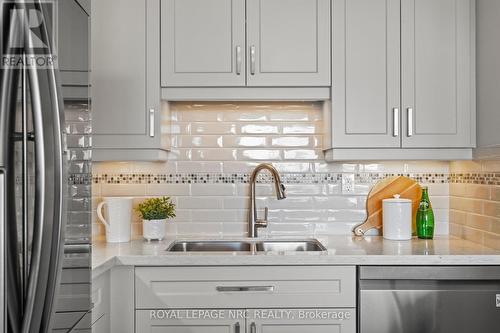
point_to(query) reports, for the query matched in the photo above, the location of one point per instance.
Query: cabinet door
(101, 299)
(202, 43)
(366, 73)
(73, 49)
(301, 320)
(438, 73)
(189, 321)
(288, 42)
(125, 74)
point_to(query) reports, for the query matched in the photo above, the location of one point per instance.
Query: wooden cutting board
(385, 189)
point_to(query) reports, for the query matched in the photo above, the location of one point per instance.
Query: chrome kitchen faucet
(253, 222)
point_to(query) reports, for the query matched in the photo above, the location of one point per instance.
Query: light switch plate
(347, 183)
(498, 300)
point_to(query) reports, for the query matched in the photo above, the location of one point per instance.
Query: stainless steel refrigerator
(45, 157)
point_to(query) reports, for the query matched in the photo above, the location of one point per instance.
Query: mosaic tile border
(488, 178)
(244, 178)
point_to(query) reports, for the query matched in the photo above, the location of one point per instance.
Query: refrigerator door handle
(50, 193)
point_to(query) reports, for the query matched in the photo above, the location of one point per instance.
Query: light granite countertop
(341, 250)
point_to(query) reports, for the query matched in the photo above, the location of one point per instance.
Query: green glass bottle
(425, 217)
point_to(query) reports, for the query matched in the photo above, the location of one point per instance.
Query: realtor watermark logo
(239, 314)
(29, 34)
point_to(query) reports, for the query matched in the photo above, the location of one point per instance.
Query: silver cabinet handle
(395, 124)
(237, 328)
(243, 288)
(253, 328)
(152, 123)
(252, 60)
(410, 121)
(238, 60)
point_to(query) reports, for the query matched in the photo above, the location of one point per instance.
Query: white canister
(397, 218)
(118, 212)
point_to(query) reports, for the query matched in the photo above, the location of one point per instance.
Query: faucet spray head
(281, 192)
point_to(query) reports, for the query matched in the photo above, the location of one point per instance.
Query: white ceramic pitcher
(118, 212)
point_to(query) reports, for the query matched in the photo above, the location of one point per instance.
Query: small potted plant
(155, 212)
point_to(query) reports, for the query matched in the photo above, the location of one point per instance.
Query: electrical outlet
(347, 183)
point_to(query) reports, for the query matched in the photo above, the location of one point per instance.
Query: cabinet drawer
(245, 287)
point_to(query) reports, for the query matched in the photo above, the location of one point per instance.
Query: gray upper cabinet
(403, 76)
(438, 73)
(203, 43)
(288, 42)
(126, 81)
(238, 43)
(73, 51)
(366, 73)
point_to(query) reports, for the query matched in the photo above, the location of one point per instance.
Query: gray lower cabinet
(235, 43)
(289, 320)
(247, 299)
(301, 320)
(101, 299)
(188, 321)
(403, 76)
(126, 108)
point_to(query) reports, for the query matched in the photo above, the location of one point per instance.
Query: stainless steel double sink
(257, 245)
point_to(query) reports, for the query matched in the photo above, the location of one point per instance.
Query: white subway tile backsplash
(202, 141)
(296, 141)
(199, 166)
(239, 166)
(314, 128)
(306, 189)
(258, 155)
(167, 189)
(215, 145)
(350, 215)
(295, 202)
(338, 202)
(293, 167)
(125, 190)
(213, 128)
(182, 215)
(201, 229)
(237, 203)
(205, 215)
(235, 229)
(240, 141)
(213, 189)
(199, 202)
(265, 128)
(290, 229)
(302, 154)
(214, 154)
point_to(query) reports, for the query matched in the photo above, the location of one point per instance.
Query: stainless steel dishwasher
(429, 299)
